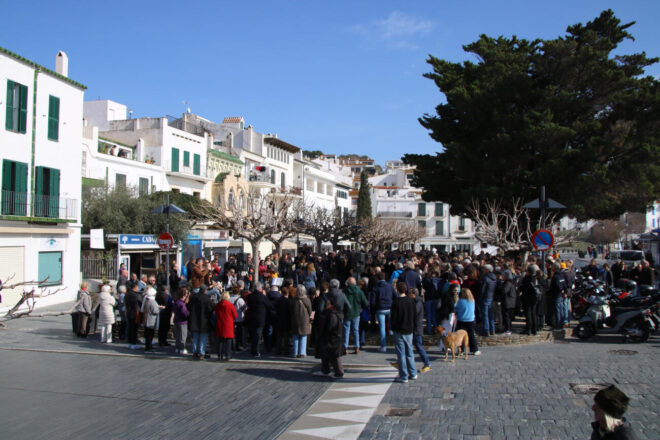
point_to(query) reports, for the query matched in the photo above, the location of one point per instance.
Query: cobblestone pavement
(84, 388)
(523, 392)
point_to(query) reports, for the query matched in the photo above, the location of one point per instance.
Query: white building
(40, 141)
(181, 155)
(393, 198)
(110, 163)
(653, 216)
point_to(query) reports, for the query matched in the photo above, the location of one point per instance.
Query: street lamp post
(167, 209)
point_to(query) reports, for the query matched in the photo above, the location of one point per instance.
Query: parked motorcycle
(633, 322)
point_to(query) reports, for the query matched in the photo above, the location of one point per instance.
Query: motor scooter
(633, 323)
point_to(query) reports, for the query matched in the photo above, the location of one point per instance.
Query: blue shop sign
(136, 239)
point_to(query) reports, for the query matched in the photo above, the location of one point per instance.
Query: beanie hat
(612, 401)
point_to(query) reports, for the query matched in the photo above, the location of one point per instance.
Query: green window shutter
(439, 209)
(54, 193)
(7, 196)
(143, 188)
(175, 159)
(22, 111)
(38, 197)
(186, 158)
(421, 210)
(20, 188)
(53, 118)
(9, 120)
(439, 227)
(196, 163)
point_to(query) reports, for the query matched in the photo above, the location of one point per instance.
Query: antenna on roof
(187, 107)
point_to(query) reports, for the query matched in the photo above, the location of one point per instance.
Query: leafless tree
(291, 222)
(255, 218)
(24, 307)
(510, 230)
(329, 226)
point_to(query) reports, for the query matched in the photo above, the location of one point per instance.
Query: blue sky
(339, 76)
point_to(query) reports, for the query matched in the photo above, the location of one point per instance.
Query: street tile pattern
(344, 409)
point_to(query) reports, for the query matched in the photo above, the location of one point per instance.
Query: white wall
(64, 155)
(100, 113)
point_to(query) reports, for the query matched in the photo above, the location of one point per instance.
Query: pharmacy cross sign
(542, 240)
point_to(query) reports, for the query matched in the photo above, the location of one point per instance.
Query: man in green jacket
(357, 301)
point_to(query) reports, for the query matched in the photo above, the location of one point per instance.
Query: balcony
(395, 214)
(287, 191)
(17, 206)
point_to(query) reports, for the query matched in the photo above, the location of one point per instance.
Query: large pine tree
(566, 113)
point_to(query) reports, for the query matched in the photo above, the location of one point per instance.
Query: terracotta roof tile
(232, 120)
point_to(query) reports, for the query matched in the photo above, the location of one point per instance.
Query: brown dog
(452, 341)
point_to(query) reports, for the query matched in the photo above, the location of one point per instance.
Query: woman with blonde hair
(309, 277)
(464, 311)
(225, 314)
(300, 308)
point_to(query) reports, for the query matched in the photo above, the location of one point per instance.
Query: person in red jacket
(225, 314)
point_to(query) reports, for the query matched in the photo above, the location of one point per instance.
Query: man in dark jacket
(411, 277)
(382, 296)
(164, 299)
(342, 306)
(432, 285)
(270, 330)
(258, 307)
(132, 304)
(530, 294)
(357, 301)
(403, 325)
(418, 331)
(330, 341)
(199, 322)
(487, 296)
(509, 300)
(557, 294)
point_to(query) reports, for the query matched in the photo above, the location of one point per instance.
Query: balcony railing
(283, 190)
(407, 214)
(18, 204)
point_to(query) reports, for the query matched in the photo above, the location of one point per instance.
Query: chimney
(62, 63)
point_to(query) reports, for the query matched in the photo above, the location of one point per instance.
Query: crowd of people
(327, 303)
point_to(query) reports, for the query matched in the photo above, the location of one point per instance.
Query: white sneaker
(320, 373)
(184, 351)
(477, 353)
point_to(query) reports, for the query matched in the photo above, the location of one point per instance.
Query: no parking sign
(543, 240)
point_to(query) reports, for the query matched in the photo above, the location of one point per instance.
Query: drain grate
(400, 412)
(588, 388)
(623, 352)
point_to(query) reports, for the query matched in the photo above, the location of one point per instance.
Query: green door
(50, 266)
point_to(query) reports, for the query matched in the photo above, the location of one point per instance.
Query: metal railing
(395, 214)
(95, 267)
(15, 203)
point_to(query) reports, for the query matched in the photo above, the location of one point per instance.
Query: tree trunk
(278, 248)
(319, 243)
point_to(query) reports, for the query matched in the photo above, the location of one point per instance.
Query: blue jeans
(431, 322)
(299, 344)
(567, 310)
(404, 355)
(560, 311)
(381, 315)
(488, 317)
(353, 323)
(417, 342)
(200, 340)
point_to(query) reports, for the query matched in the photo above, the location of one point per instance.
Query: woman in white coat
(106, 314)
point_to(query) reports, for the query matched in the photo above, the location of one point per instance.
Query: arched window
(282, 181)
(230, 198)
(241, 200)
(272, 177)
